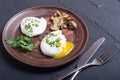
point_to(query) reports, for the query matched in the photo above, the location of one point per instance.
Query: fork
(99, 60)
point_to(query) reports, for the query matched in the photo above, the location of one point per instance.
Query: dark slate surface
(102, 18)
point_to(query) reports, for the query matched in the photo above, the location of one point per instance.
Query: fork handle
(74, 75)
(71, 72)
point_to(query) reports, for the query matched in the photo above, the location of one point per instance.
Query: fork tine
(108, 53)
(109, 57)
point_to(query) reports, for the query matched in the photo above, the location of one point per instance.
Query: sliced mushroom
(54, 27)
(59, 14)
(65, 15)
(72, 25)
(63, 26)
(69, 19)
(62, 20)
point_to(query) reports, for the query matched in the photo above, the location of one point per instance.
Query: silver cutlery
(87, 56)
(99, 60)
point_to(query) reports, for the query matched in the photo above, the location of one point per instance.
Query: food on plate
(33, 26)
(22, 42)
(62, 20)
(55, 45)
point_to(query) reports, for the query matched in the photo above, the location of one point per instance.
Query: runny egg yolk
(65, 50)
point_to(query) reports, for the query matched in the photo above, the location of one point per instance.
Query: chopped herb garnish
(32, 24)
(32, 21)
(36, 25)
(22, 42)
(53, 40)
(28, 28)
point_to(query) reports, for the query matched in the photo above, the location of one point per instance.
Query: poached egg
(55, 45)
(33, 26)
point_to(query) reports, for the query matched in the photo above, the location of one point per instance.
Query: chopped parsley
(29, 23)
(28, 28)
(53, 40)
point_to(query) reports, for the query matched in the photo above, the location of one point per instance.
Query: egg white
(36, 30)
(52, 50)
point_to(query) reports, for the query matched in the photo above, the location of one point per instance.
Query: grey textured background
(102, 18)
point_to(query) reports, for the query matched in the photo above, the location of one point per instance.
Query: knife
(86, 57)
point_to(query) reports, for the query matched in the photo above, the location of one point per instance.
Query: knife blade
(87, 56)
